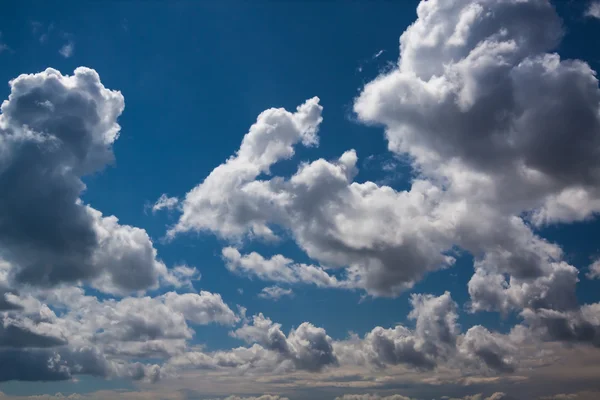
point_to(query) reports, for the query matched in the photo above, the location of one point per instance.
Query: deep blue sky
(195, 74)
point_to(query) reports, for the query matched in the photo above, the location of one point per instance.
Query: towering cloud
(54, 130)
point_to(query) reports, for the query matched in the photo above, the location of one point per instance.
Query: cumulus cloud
(436, 340)
(220, 203)
(275, 293)
(469, 105)
(55, 129)
(307, 347)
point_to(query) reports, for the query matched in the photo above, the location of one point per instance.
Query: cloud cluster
(503, 136)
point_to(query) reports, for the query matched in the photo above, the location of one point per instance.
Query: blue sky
(429, 184)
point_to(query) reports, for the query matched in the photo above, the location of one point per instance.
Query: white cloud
(278, 269)
(275, 293)
(220, 203)
(165, 202)
(55, 129)
(594, 270)
(593, 9)
(307, 347)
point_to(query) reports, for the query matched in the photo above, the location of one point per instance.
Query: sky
(290, 200)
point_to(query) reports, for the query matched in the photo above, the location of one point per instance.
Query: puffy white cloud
(221, 202)
(275, 293)
(202, 309)
(308, 347)
(436, 340)
(504, 128)
(469, 104)
(433, 339)
(54, 129)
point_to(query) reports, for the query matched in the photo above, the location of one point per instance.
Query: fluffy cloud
(307, 347)
(54, 129)
(221, 203)
(436, 340)
(475, 92)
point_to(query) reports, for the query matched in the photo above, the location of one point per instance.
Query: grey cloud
(580, 325)
(307, 347)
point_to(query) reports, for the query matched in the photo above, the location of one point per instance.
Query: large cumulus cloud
(55, 129)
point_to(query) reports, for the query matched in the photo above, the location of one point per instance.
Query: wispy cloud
(275, 293)
(67, 50)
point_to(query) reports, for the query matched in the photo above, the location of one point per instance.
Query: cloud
(165, 202)
(67, 49)
(55, 129)
(593, 10)
(220, 203)
(307, 347)
(275, 293)
(278, 269)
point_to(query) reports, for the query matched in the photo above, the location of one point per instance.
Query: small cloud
(275, 293)
(593, 10)
(165, 202)
(376, 55)
(594, 270)
(240, 291)
(67, 50)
